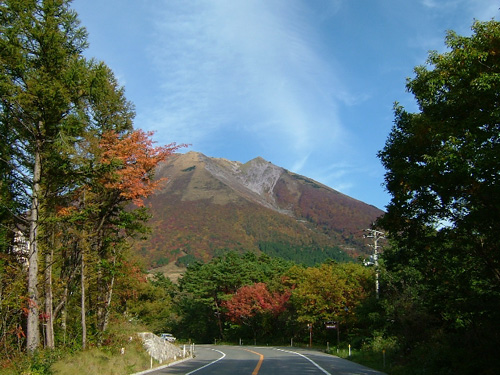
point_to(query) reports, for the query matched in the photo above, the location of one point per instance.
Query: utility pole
(376, 235)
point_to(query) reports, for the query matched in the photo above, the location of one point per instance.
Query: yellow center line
(257, 368)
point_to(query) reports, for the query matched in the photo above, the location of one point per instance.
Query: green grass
(366, 358)
(374, 360)
(108, 360)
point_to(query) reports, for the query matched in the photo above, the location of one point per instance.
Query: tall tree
(443, 172)
(127, 164)
(103, 109)
(41, 72)
(69, 146)
(443, 163)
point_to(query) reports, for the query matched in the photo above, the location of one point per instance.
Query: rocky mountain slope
(211, 205)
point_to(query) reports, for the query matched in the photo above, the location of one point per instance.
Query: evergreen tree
(41, 88)
(70, 160)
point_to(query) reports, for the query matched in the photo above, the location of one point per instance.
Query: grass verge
(108, 361)
(122, 353)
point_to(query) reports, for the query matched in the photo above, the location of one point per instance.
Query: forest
(267, 300)
(74, 175)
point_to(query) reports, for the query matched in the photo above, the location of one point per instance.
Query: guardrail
(162, 350)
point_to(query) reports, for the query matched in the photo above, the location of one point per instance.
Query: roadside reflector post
(310, 326)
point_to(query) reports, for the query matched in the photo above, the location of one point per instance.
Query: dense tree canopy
(70, 167)
(263, 298)
(444, 162)
(42, 88)
(330, 292)
(443, 172)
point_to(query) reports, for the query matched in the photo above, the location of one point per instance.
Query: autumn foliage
(71, 164)
(260, 298)
(251, 300)
(134, 158)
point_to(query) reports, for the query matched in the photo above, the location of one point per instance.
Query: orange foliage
(135, 158)
(65, 211)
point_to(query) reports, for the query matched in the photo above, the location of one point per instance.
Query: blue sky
(306, 84)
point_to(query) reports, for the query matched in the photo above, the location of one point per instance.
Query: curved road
(241, 360)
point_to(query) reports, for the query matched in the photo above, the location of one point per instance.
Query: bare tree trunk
(219, 319)
(49, 315)
(33, 328)
(104, 289)
(106, 303)
(63, 323)
(84, 322)
(68, 276)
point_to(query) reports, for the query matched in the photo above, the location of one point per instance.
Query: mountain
(211, 205)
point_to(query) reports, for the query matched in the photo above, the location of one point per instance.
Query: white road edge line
(209, 364)
(309, 359)
(161, 367)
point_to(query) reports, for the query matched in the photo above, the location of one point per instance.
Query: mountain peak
(214, 203)
(260, 176)
(258, 159)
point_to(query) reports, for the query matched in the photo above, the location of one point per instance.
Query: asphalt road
(242, 360)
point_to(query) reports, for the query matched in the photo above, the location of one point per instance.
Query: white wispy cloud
(480, 9)
(338, 175)
(306, 84)
(441, 3)
(251, 65)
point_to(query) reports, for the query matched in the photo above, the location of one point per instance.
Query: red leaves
(251, 300)
(133, 159)
(18, 331)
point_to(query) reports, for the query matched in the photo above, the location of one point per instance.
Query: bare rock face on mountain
(211, 205)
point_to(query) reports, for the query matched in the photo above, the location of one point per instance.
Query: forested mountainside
(208, 206)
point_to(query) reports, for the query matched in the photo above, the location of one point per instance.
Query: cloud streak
(253, 66)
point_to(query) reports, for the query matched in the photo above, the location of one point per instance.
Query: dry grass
(105, 360)
(109, 360)
(171, 270)
(99, 361)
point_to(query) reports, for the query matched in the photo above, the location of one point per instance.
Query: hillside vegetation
(210, 206)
